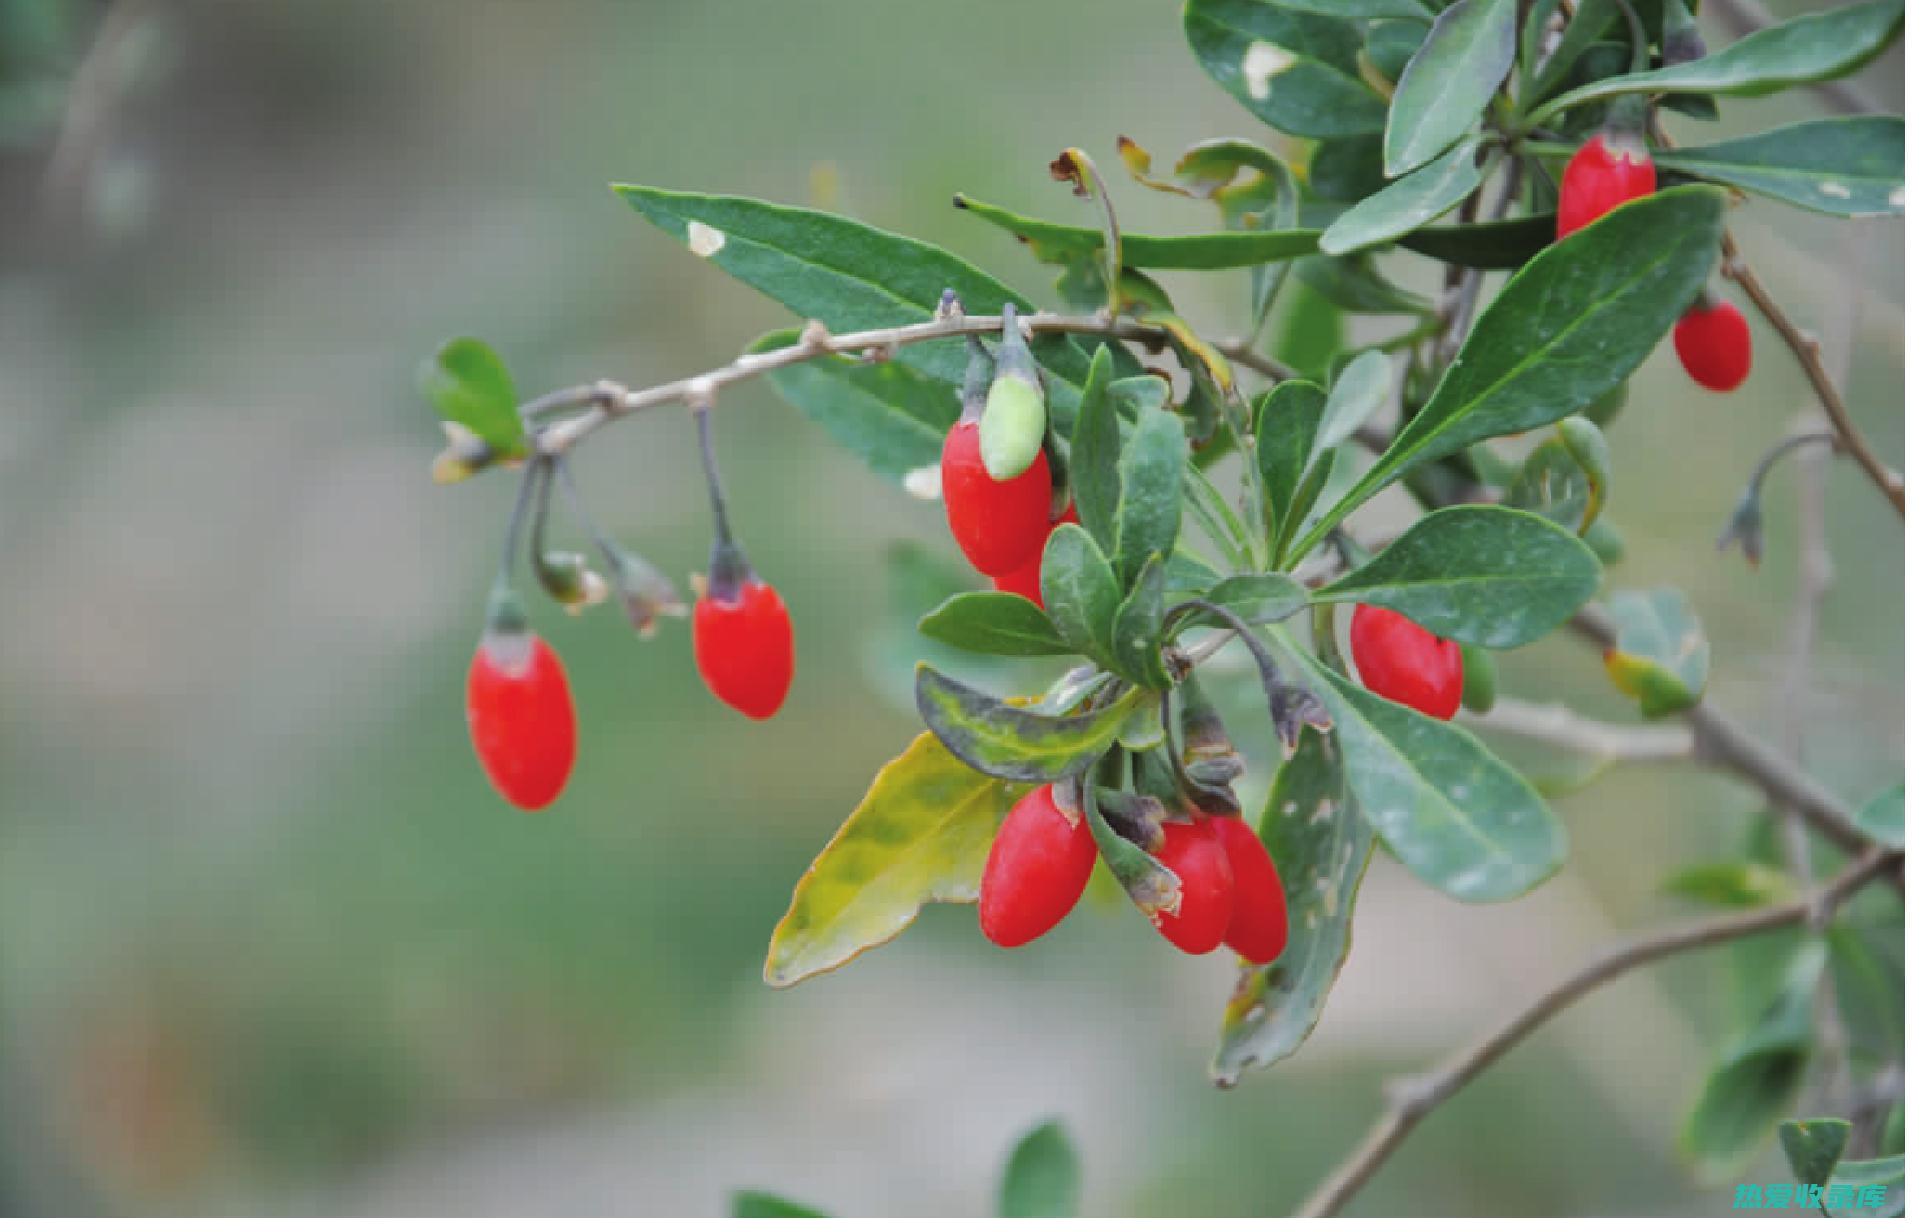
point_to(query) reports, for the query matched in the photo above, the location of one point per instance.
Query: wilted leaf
(921, 834)
(1660, 657)
(1010, 742)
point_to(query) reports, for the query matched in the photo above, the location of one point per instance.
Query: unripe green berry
(1480, 679)
(1012, 427)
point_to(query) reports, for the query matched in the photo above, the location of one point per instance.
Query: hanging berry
(518, 707)
(740, 631)
(1192, 852)
(1714, 344)
(1037, 868)
(1611, 168)
(1000, 525)
(1405, 663)
(1026, 581)
(1258, 927)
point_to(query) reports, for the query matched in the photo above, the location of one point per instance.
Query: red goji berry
(1037, 868)
(523, 726)
(1405, 663)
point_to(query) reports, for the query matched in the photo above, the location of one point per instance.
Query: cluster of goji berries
(518, 699)
(1712, 339)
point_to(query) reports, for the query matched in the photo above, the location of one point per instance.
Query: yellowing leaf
(921, 834)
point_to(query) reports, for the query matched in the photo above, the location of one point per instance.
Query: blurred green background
(269, 945)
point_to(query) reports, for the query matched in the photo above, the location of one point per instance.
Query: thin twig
(1411, 1100)
(606, 401)
(1805, 350)
(1555, 724)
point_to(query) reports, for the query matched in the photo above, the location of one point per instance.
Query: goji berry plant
(1145, 498)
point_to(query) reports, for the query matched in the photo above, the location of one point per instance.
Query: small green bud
(1480, 679)
(1606, 542)
(569, 580)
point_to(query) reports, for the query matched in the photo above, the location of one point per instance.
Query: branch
(1719, 742)
(1411, 1100)
(606, 401)
(1555, 724)
(1805, 350)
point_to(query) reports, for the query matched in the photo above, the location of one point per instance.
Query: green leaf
(921, 834)
(1080, 590)
(1392, 43)
(888, 414)
(1095, 479)
(1570, 325)
(1006, 741)
(1408, 203)
(1149, 885)
(1286, 421)
(1817, 46)
(1320, 473)
(1360, 390)
(763, 1205)
(1450, 81)
(1882, 818)
(1840, 166)
(1137, 648)
(994, 623)
(1296, 71)
(1565, 478)
(1063, 244)
(1260, 599)
(1591, 19)
(851, 276)
(1451, 811)
(1321, 845)
(1734, 884)
(1752, 1086)
(468, 384)
(1348, 170)
(1043, 1179)
(1660, 658)
(1491, 576)
(1497, 245)
(1362, 10)
(1148, 517)
(1887, 1173)
(1868, 977)
(1352, 284)
(1813, 1147)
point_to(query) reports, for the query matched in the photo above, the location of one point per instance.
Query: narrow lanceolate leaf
(1362, 10)
(1734, 884)
(1840, 166)
(1452, 812)
(994, 623)
(469, 385)
(1288, 418)
(850, 276)
(1360, 390)
(1490, 576)
(1095, 480)
(1813, 1147)
(1043, 1179)
(1817, 46)
(1408, 203)
(1660, 657)
(1496, 245)
(888, 414)
(1080, 589)
(1009, 742)
(1753, 1084)
(1260, 599)
(1450, 80)
(921, 834)
(1148, 518)
(1137, 647)
(1296, 71)
(1570, 325)
(1321, 845)
(1065, 244)
(1351, 283)
(1882, 818)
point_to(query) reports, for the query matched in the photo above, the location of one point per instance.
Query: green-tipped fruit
(1012, 428)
